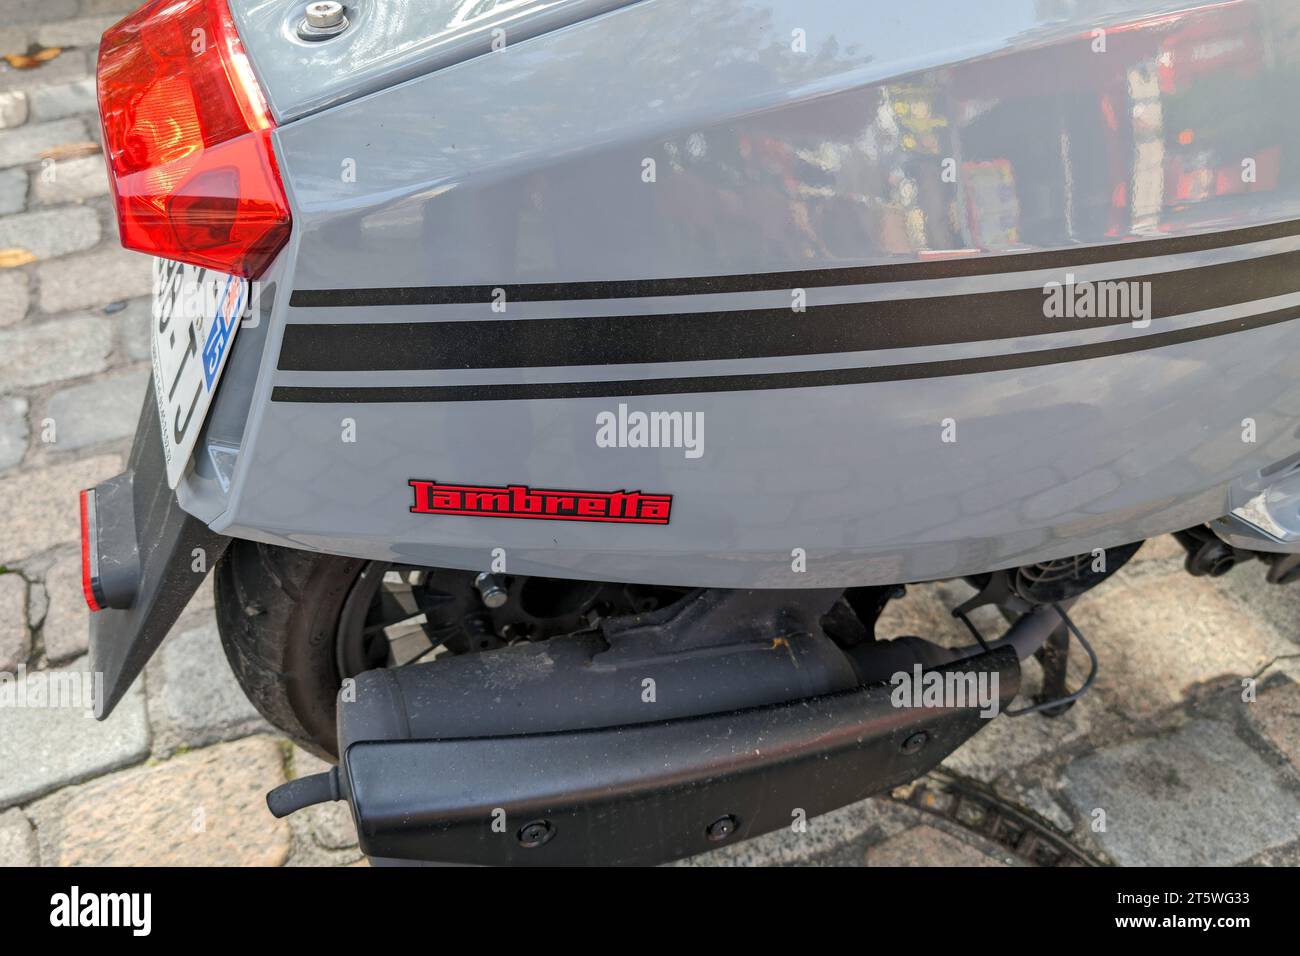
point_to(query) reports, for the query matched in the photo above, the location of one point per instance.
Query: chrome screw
(325, 14)
(491, 590)
(324, 19)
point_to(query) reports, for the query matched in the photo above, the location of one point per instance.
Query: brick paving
(1165, 762)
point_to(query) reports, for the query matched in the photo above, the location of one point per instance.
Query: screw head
(536, 833)
(914, 743)
(325, 14)
(722, 828)
(491, 590)
(322, 20)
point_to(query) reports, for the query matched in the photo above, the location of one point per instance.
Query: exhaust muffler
(724, 716)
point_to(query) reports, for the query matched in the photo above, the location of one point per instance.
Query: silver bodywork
(785, 137)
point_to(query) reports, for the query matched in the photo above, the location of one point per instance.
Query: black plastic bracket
(648, 793)
(146, 546)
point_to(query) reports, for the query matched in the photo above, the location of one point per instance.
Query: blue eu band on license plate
(230, 307)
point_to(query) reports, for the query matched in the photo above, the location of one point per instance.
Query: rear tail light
(187, 135)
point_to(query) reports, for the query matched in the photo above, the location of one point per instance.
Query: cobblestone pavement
(1182, 768)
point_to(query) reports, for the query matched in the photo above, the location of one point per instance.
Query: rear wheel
(296, 624)
(278, 612)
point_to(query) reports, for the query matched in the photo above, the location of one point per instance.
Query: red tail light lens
(188, 138)
(90, 552)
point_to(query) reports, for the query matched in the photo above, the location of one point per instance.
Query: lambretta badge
(520, 501)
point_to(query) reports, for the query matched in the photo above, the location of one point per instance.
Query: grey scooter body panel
(528, 166)
(386, 42)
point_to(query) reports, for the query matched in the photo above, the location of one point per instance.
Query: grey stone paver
(15, 637)
(17, 840)
(1196, 797)
(81, 32)
(71, 64)
(14, 296)
(15, 38)
(59, 102)
(71, 180)
(38, 11)
(26, 143)
(93, 279)
(133, 323)
(39, 510)
(1008, 743)
(116, 7)
(51, 232)
(13, 109)
(101, 410)
(1274, 606)
(1275, 714)
(66, 627)
(197, 697)
(64, 100)
(13, 190)
(37, 604)
(13, 430)
(206, 808)
(44, 747)
(34, 354)
(1164, 634)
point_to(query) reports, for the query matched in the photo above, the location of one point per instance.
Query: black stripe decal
(798, 279)
(773, 380)
(756, 333)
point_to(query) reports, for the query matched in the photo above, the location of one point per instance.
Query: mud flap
(142, 549)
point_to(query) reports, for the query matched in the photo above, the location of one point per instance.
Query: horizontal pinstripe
(774, 380)
(756, 333)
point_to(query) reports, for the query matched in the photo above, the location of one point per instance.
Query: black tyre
(279, 613)
(296, 624)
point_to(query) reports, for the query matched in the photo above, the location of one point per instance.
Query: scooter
(561, 389)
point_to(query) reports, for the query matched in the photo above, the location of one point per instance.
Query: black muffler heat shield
(639, 752)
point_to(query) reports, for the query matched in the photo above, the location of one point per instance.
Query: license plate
(196, 314)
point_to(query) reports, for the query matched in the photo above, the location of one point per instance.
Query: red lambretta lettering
(520, 501)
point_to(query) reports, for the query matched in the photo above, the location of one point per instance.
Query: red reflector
(88, 558)
(187, 135)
